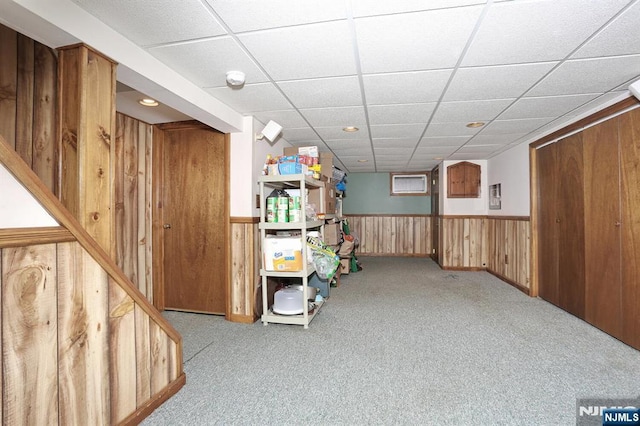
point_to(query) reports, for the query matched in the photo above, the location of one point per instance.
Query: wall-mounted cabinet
(463, 180)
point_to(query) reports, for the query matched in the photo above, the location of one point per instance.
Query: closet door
(547, 159)
(571, 260)
(602, 232)
(630, 228)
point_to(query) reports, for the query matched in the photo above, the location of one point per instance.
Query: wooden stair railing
(116, 358)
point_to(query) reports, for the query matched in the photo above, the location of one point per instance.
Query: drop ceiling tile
(261, 14)
(482, 149)
(434, 152)
(306, 51)
(306, 134)
(588, 76)
(405, 88)
(392, 153)
(605, 99)
(502, 139)
(286, 118)
(397, 131)
(552, 106)
(450, 129)
(323, 92)
(443, 141)
(146, 22)
(501, 127)
(343, 116)
(393, 42)
(251, 97)
(468, 111)
(621, 37)
(353, 151)
(400, 113)
(495, 82)
(348, 143)
(537, 31)
(200, 61)
(396, 143)
(338, 133)
(464, 156)
(419, 165)
(368, 8)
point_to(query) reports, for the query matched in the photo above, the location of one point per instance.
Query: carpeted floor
(401, 342)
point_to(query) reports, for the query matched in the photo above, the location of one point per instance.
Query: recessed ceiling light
(475, 124)
(148, 102)
(363, 161)
(437, 158)
(350, 129)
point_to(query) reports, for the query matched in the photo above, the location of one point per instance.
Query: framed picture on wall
(495, 197)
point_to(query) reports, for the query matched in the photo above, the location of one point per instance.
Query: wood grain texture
(160, 366)
(29, 335)
(143, 356)
(8, 84)
(122, 353)
(464, 241)
(244, 274)
(630, 244)
(508, 250)
(83, 338)
(20, 237)
(390, 235)
(24, 98)
(602, 236)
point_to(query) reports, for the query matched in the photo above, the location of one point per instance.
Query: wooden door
(630, 226)
(547, 167)
(195, 215)
(435, 213)
(602, 230)
(571, 262)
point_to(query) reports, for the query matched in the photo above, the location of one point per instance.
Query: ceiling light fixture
(350, 129)
(475, 124)
(363, 161)
(235, 78)
(148, 102)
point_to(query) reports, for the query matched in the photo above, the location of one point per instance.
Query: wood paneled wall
(132, 200)
(463, 242)
(509, 248)
(28, 79)
(392, 235)
(245, 269)
(501, 245)
(77, 349)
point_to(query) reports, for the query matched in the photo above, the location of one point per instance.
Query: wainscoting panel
(509, 250)
(392, 235)
(463, 242)
(245, 268)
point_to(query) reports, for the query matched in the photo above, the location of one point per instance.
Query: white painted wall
(464, 206)
(18, 208)
(511, 170)
(241, 170)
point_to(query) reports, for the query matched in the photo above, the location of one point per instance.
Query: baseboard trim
(156, 401)
(425, 255)
(463, 268)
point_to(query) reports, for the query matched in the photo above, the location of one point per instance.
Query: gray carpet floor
(401, 342)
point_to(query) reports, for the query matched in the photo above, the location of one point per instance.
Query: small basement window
(416, 183)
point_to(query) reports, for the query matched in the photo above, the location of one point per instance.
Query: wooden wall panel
(464, 242)
(122, 353)
(28, 76)
(143, 356)
(388, 235)
(508, 240)
(132, 201)
(160, 361)
(29, 335)
(244, 269)
(83, 345)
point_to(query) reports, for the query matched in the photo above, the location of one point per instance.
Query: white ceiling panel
(252, 97)
(400, 113)
(620, 37)
(147, 23)
(403, 36)
(307, 51)
(398, 131)
(323, 92)
(552, 106)
(468, 111)
(199, 61)
(410, 74)
(405, 88)
(496, 82)
(253, 15)
(537, 31)
(342, 116)
(588, 76)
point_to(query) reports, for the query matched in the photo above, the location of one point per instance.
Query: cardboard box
(323, 199)
(332, 234)
(345, 266)
(325, 158)
(282, 254)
